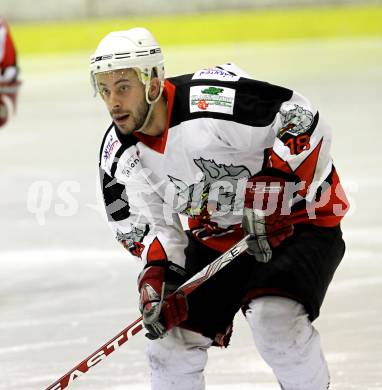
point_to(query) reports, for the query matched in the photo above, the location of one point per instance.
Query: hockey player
(8, 72)
(233, 154)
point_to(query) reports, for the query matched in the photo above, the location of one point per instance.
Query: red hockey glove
(156, 282)
(267, 211)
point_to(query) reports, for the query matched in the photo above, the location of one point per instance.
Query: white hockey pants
(284, 337)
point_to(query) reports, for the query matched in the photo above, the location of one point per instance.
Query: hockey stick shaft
(211, 269)
(121, 338)
(98, 355)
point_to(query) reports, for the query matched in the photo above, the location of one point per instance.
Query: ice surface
(66, 287)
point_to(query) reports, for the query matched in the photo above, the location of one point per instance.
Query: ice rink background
(66, 287)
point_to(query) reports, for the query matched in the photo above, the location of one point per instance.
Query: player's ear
(154, 88)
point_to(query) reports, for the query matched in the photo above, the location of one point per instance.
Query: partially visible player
(8, 73)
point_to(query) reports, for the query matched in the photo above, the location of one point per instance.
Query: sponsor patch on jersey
(130, 165)
(212, 98)
(215, 74)
(111, 147)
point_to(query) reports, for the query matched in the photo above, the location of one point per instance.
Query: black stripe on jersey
(116, 159)
(115, 198)
(126, 140)
(256, 102)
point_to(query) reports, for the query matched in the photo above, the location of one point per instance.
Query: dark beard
(141, 115)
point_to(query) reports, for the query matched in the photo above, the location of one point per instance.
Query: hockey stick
(116, 342)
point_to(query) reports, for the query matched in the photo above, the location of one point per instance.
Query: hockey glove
(156, 282)
(267, 213)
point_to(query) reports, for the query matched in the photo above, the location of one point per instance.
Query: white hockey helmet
(135, 48)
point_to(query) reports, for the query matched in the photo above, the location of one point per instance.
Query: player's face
(124, 96)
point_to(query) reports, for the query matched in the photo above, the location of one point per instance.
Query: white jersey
(223, 127)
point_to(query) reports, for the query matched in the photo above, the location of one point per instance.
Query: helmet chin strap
(151, 104)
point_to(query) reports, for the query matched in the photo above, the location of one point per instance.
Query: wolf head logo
(132, 240)
(193, 199)
(295, 119)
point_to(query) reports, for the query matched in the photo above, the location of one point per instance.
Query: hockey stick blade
(122, 337)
